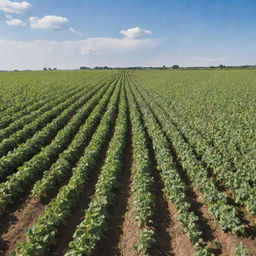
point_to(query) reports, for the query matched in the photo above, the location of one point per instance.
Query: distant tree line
(166, 67)
(50, 69)
(136, 67)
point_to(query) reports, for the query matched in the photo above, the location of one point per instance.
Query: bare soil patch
(15, 224)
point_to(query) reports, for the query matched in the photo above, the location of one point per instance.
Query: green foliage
(91, 229)
(43, 233)
(241, 250)
(201, 125)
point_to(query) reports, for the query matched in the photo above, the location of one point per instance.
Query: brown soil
(15, 224)
(180, 242)
(130, 231)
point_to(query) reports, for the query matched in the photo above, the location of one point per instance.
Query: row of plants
(216, 201)
(46, 108)
(15, 158)
(233, 135)
(41, 121)
(174, 187)
(25, 115)
(142, 180)
(237, 182)
(32, 170)
(236, 144)
(222, 134)
(43, 233)
(183, 115)
(25, 89)
(28, 107)
(61, 169)
(6, 111)
(6, 119)
(95, 222)
(17, 104)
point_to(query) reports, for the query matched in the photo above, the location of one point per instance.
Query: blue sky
(69, 34)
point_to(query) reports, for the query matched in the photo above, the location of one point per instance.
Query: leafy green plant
(241, 250)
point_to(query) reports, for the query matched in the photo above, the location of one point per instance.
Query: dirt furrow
(180, 242)
(15, 223)
(130, 229)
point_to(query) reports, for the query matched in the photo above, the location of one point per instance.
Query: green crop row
(43, 233)
(92, 228)
(142, 181)
(174, 187)
(25, 151)
(225, 214)
(237, 182)
(41, 121)
(25, 115)
(60, 170)
(31, 170)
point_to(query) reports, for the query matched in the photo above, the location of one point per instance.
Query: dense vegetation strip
(37, 117)
(236, 182)
(217, 203)
(24, 89)
(26, 108)
(31, 111)
(174, 186)
(32, 170)
(7, 118)
(43, 234)
(66, 160)
(92, 228)
(30, 129)
(142, 181)
(219, 111)
(31, 147)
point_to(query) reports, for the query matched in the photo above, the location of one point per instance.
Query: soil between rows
(15, 224)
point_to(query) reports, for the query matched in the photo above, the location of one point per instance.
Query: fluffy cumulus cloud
(49, 22)
(14, 7)
(10, 21)
(135, 33)
(73, 54)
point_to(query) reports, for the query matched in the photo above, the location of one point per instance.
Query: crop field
(120, 162)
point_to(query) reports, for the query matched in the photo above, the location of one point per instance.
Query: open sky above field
(70, 34)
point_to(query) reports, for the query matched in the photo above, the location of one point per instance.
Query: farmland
(152, 162)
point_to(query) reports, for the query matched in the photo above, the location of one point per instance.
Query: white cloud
(14, 7)
(135, 33)
(49, 22)
(73, 54)
(10, 21)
